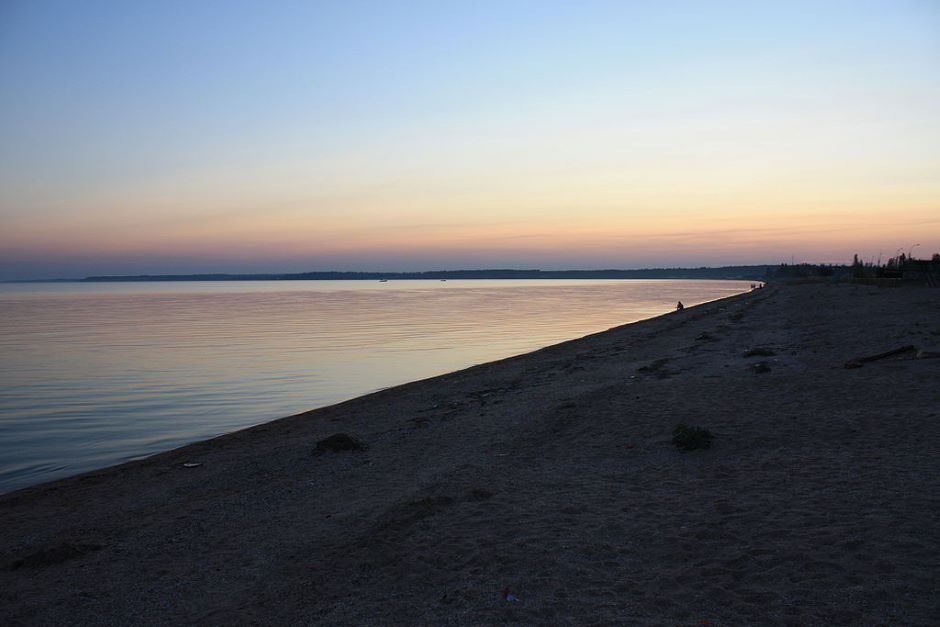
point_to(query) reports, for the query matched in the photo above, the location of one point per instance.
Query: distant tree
(858, 269)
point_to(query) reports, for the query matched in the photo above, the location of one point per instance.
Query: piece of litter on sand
(192, 464)
(509, 596)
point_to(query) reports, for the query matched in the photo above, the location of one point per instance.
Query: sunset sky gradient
(180, 136)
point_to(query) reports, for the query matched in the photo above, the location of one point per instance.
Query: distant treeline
(901, 269)
(726, 272)
(808, 270)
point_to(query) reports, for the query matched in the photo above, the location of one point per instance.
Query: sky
(226, 136)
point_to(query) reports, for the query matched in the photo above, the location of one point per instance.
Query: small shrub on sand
(688, 438)
(339, 442)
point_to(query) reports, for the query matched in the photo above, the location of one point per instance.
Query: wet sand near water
(550, 477)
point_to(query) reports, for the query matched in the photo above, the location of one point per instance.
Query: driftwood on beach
(859, 361)
(541, 489)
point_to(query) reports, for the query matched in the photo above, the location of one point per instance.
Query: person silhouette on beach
(680, 306)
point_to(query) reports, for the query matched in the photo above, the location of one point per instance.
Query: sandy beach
(551, 478)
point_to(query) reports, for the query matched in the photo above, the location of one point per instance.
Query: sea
(95, 374)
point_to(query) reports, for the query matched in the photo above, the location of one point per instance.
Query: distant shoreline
(753, 272)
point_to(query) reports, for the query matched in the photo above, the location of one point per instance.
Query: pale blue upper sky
(230, 133)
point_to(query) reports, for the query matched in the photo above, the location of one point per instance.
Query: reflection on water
(95, 374)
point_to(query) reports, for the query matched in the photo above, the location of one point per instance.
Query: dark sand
(551, 473)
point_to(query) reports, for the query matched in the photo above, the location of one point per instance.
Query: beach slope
(550, 477)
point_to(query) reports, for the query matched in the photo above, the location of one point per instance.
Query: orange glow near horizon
(830, 236)
(604, 218)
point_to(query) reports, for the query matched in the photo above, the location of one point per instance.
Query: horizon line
(415, 274)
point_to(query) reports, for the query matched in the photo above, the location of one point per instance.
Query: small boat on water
(383, 280)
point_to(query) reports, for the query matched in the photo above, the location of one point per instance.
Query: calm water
(96, 374)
